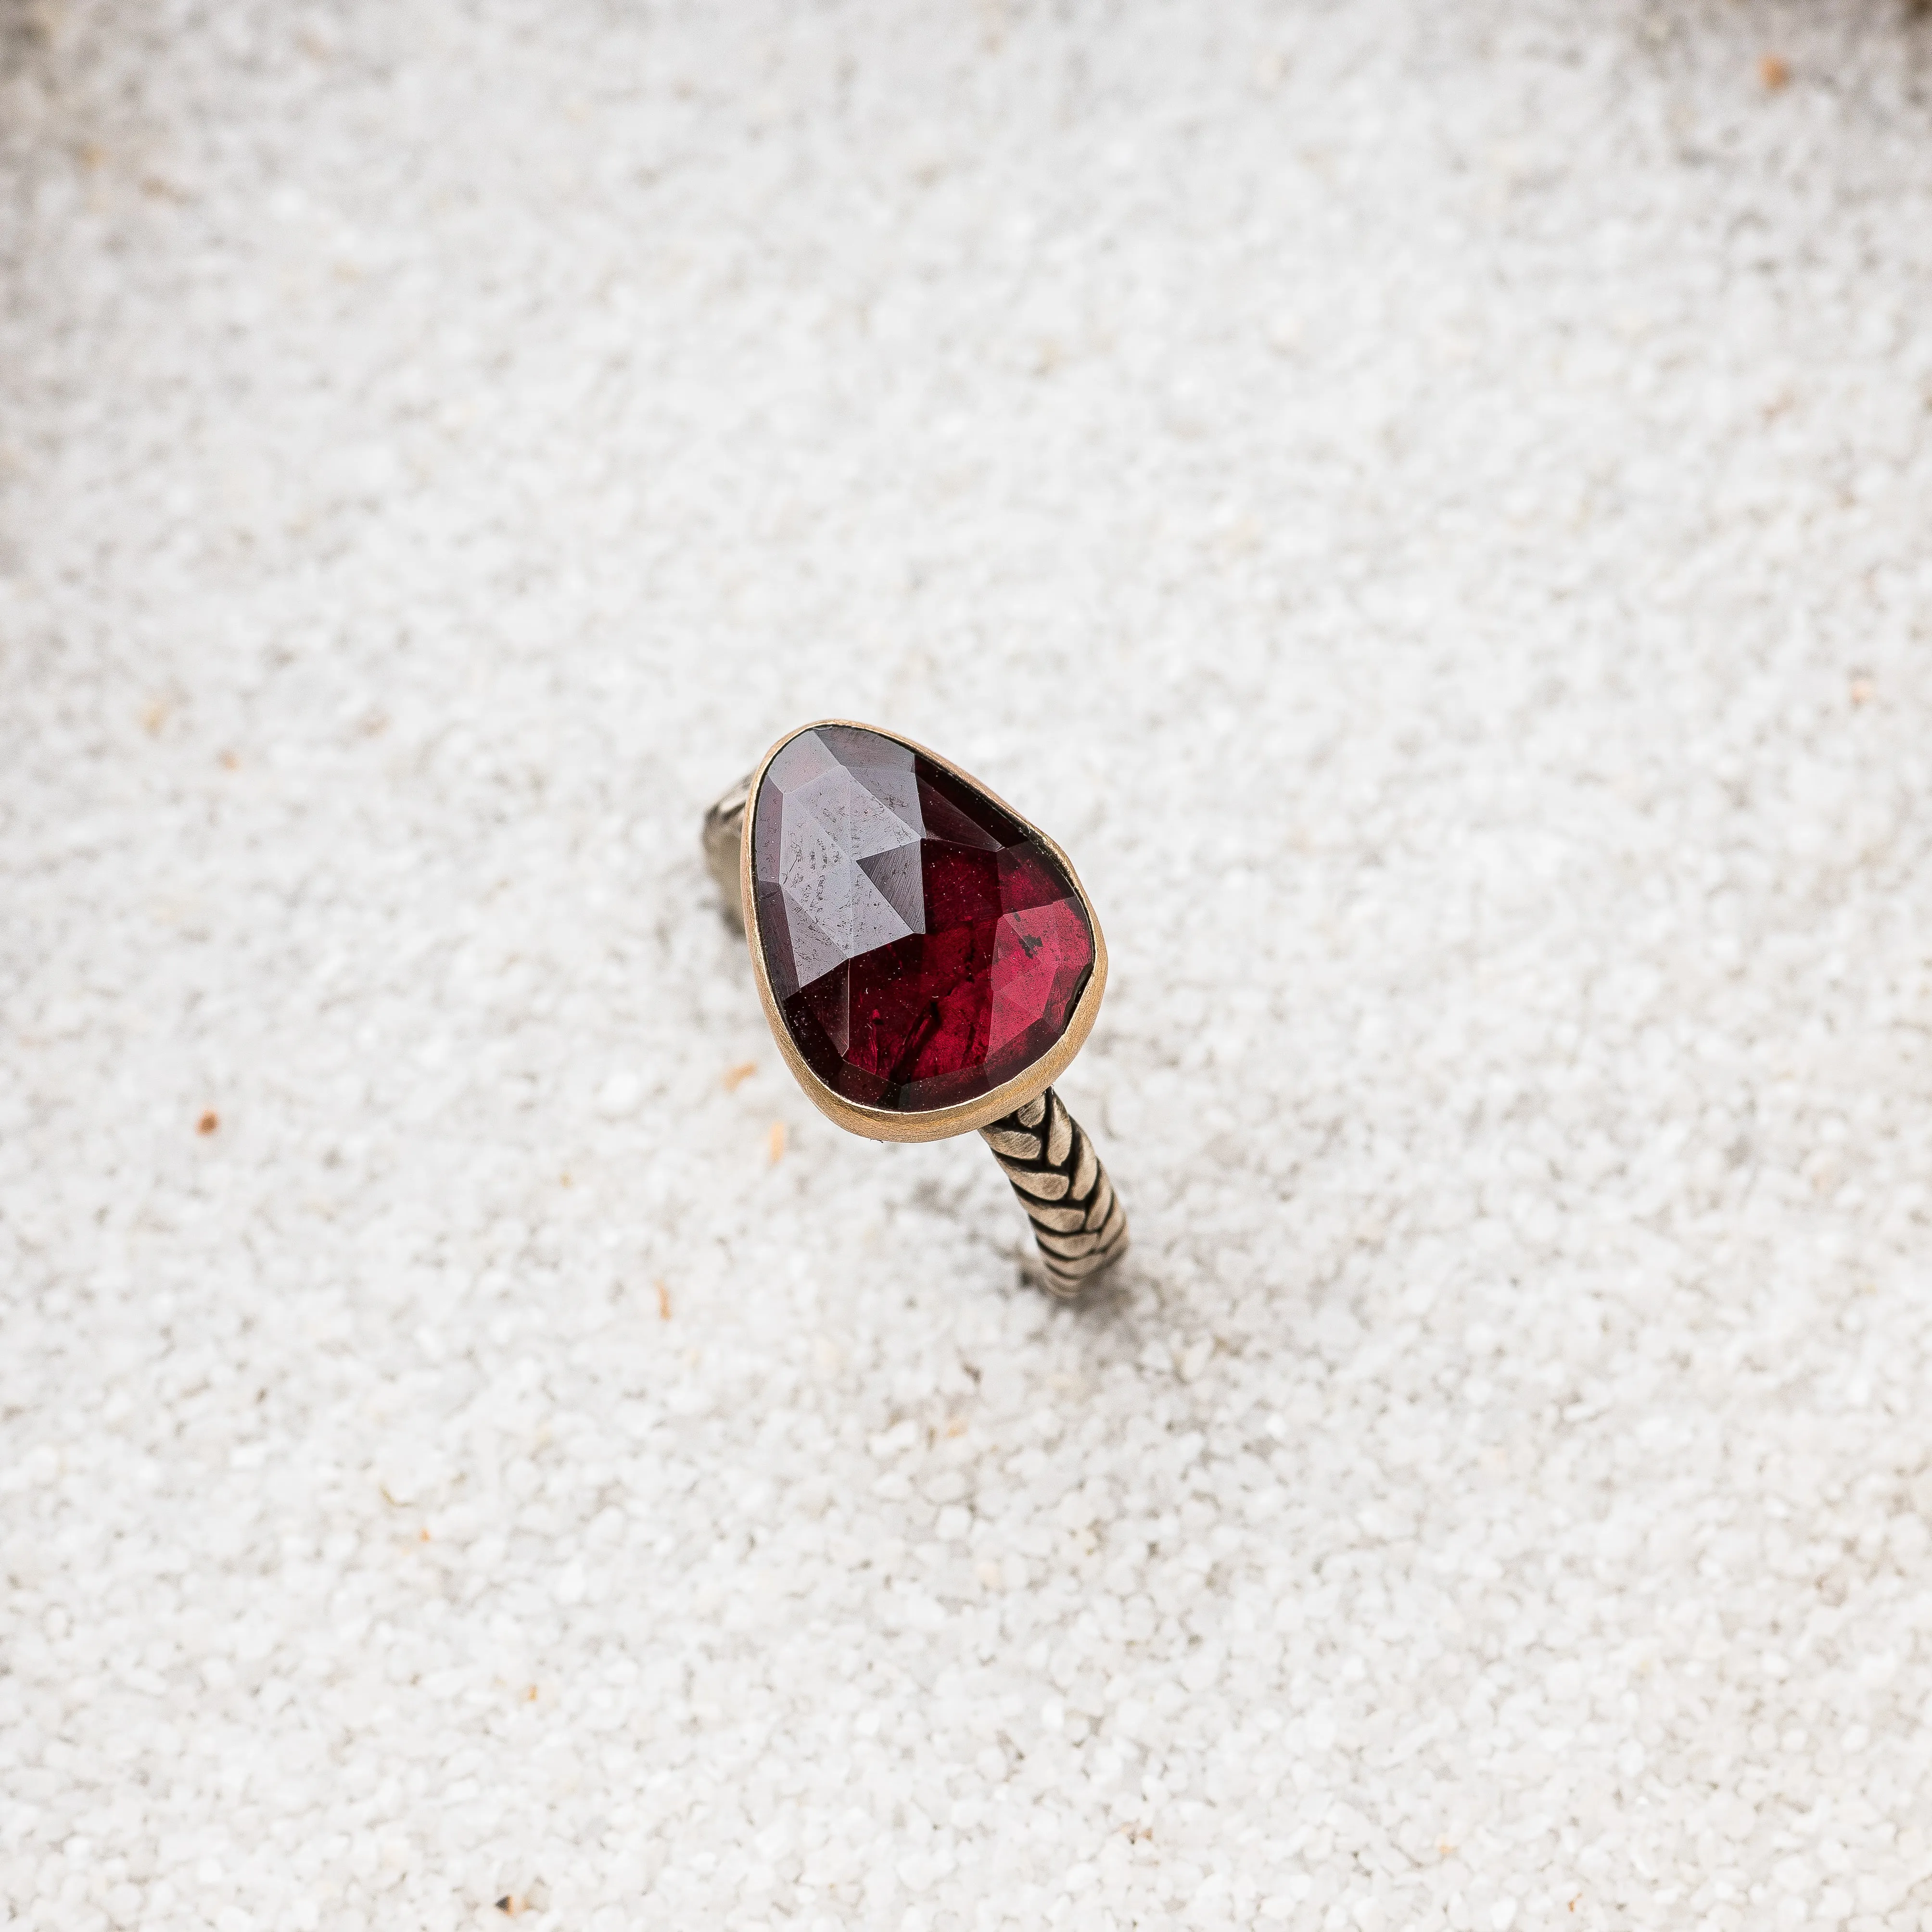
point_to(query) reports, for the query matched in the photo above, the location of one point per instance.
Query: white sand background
(1432, 503)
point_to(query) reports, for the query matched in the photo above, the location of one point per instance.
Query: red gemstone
(924, 946)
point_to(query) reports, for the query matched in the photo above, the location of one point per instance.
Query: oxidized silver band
(1077, 1219)
(1078, 1222)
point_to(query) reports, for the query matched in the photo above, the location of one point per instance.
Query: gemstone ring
(929, 964)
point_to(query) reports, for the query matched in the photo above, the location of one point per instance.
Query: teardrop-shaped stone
(923, 945)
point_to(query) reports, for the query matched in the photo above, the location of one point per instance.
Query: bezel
(937, 1123)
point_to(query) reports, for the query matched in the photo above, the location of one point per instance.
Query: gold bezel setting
(937, 1124)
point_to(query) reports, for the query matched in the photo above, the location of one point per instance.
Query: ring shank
(1078, 1220)
(723, 835)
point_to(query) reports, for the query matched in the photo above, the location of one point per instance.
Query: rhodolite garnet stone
(924, 946)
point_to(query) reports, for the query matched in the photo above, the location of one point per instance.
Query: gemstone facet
(923, 946)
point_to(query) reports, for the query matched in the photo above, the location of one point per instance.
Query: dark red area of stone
(924, 946)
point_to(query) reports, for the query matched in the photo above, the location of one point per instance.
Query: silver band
(1077, 1218)
(724, 834)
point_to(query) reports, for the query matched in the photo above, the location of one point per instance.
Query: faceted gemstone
(923, 945)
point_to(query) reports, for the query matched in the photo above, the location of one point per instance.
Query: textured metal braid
(1077, 1218)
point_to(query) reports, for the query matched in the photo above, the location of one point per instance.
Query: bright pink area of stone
(924, 946)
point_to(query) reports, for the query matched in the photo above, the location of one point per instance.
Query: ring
(928, 961)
